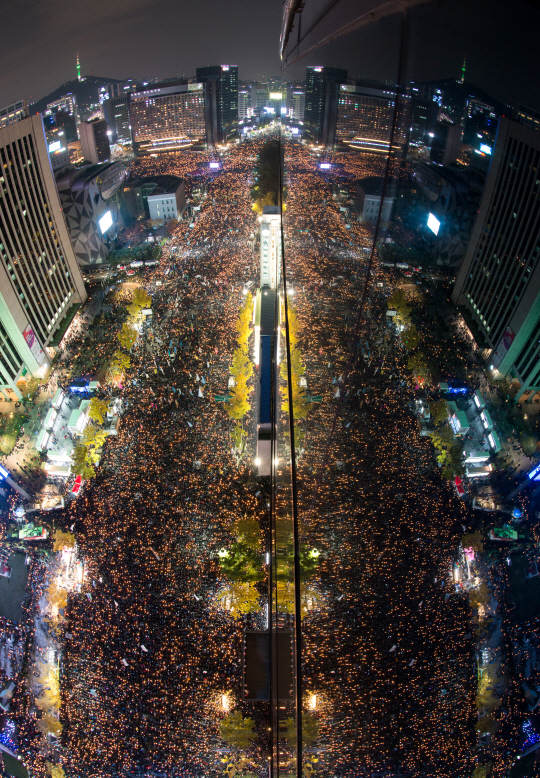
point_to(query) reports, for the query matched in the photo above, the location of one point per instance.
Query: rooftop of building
(165, 185)
(373, 185)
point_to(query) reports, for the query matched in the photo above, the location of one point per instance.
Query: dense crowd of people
(391, 658)
(387, 644)
(149, 653)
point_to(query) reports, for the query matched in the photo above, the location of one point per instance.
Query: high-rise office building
(244, 103)
(95, 141)
(119, 118)
(499, 279)
(421, 119)
(39, 276)
(221, 93)
(321, 100)
(365, 116)
(168, 117)
(298, 101)
(13, 113)
(445, 143)
(58, 150)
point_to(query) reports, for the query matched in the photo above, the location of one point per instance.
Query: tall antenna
(78, 67)
(463, 69)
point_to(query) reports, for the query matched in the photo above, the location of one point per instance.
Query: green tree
(310, 730)
(248, 531)
(443, 438)
(241, 562)
(97, 410)
(237, 436)
(398, 302)
(483, 771)
(419, 366)
(439, 412)
(237, 731)
(410, 337)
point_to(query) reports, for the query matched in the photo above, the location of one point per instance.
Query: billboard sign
(105, 222)
(433, 223)
(502, 349)
(33, 344)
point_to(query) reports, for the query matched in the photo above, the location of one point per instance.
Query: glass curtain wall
(382, 177)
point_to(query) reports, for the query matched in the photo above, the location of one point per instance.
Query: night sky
(163, 38)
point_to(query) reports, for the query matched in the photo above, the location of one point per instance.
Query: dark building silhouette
(321, 100)
(221, 102)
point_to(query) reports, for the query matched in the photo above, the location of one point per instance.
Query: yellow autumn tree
(268, 199)
(127, 336)
(63, 541)
(239, 599)
(49, 725)
(238, 404)
(55, 771)
(97, 410)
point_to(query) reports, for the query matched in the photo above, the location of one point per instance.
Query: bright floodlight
(325, 165)
(214, 165)
(105, 222)
(433, 224)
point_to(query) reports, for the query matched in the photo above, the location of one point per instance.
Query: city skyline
(130, 41)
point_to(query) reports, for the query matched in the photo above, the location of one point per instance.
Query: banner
(33, 344)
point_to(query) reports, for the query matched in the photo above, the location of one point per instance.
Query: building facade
(167, 201)
(221, 97)
(369, 198)
(39, 277)
(13, 113)
(499, 279)
(89, 200)
(119, 118)
(166, 118)
(270, 247)
(95, 141)
(321, 103)
(365, 116)
(58, 150)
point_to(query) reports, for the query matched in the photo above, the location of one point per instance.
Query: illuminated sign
(534, 475)
(275, 96)
(485, 149)
(194, 87)
(214, 165)
(105, 222)
(4, 472)
(317, 70)
(55, 146)
(433, 223)
(224, 67)
(325, 166)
